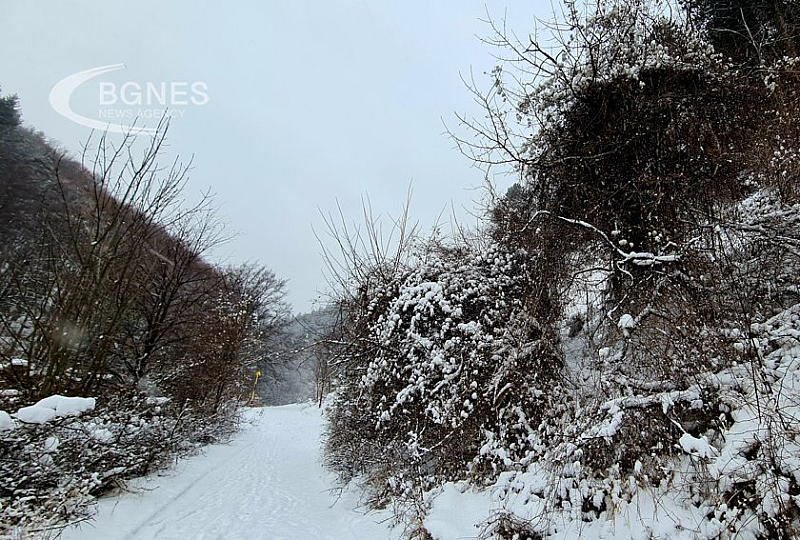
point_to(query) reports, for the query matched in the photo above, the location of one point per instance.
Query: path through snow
(268, 483)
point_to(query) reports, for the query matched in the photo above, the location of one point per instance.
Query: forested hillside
(614, 355)
(120, 345)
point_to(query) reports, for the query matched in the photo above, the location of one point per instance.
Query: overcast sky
(307, 103)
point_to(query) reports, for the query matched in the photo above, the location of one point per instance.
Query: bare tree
(101, 288)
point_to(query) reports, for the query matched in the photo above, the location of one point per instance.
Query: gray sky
(309, 103)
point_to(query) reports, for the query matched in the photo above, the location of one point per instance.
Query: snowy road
(267, 484)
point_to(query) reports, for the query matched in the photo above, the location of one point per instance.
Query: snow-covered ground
(268, 483)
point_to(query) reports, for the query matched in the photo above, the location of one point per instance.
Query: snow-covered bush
(715, 460)
(703, 447)
(457, 371)
(58, 455)
(638, 128)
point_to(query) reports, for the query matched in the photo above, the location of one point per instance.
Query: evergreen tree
(9, 111)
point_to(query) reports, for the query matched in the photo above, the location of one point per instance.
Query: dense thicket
(612, 334)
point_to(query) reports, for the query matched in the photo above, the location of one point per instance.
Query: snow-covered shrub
(643, 156)
(715, 460)
(642, 140)
(51, 469)
(683, 399)
(638, 128)
(639, 136)
(686, 393)
(456, 375)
